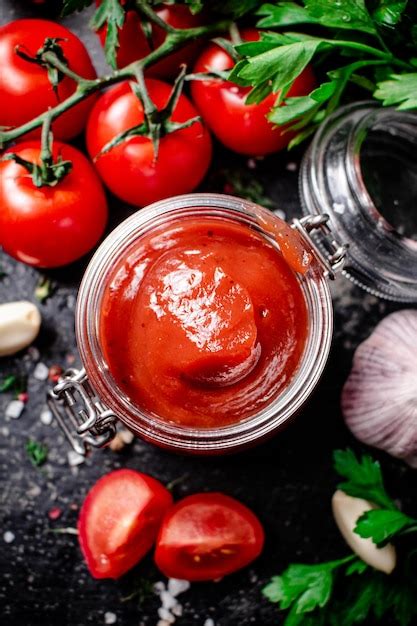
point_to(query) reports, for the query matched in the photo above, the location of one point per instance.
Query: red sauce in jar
(203, 322)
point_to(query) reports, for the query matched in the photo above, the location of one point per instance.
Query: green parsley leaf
(195, 6)
(8, 383)
(37, 452)
(307, 587)
(282, 64)
(367, 595)
(389, 12)
(381, 525)
(364, 478)
(111, 14)
(350, 14)
(294, 109)
(71, 6)
(356, 567)
(44, 289)
(283, 14)
(400, 90)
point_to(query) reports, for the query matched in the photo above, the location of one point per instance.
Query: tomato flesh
(50, 226)
(129, 169)
(207, 536)
(242, 127)
(119, 521)
(25, 89)
(203, 322)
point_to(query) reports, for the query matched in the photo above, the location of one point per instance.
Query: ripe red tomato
(119, 521)
(50, 226)
(25, 89)
(129, 169)
(206, 536)
(241, 127)
(134, 45)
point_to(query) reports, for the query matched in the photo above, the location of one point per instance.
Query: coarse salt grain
(168, 601)
(291, 167)
(159, 587)
(177, 586)
(165, 615)
(41, 371)
(8, 536)
(110, 618)
(163, 622)
(126, 436)
(46, 417)
(177, 610)
(34, 353)
(14, 409)
(74, 458)
(209, 622)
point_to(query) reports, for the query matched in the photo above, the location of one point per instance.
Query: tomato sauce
(203, 322)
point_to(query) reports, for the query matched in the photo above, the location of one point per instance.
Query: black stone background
(288, 481)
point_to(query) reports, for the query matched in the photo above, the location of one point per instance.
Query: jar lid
(361, 170)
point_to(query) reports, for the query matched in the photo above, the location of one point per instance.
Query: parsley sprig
(347, 591)
(356, 42)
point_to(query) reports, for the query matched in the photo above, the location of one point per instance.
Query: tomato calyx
(157, 123)
(43, 58)
(47, 172)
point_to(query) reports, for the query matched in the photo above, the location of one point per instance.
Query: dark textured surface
(288, 482)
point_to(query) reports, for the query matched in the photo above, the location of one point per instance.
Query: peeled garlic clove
(379, 399)
(19, 326)
(346, 512)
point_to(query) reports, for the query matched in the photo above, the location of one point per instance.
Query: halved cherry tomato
(242, 127)
(50, 226)
(25, 89)
(206, 536)
(133, 43)
(119, 521)
(130, 169)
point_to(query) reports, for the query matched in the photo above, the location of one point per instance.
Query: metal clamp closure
(334, 262)
(84, 420)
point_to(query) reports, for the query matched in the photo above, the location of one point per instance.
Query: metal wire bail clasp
(84, 420)
(335, 260)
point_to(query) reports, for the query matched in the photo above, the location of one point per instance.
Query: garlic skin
(19, 326)
(346, 512)
(379, 399)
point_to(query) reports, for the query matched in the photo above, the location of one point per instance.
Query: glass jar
(96, 394)
(361, 171)
(344, 200)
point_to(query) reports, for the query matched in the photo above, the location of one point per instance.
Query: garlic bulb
(379, 399)
(346, 511)
(19, 326)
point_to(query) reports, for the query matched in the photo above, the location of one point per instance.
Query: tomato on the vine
(130, 169)
(119, 521)
(25, 88)
(49, 226)
(242, 127)
(134, 45)
(206, 536)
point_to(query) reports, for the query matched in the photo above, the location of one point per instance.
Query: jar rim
(171, 435)
(380, 259)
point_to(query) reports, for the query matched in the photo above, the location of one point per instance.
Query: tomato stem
(157, 123)
(175, 39)
(143, 7)
(48, 172)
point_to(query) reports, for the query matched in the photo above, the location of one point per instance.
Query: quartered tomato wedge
(206, 536)
(119, 521)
